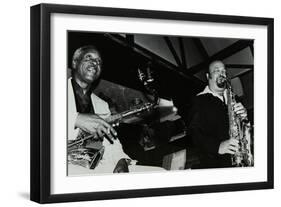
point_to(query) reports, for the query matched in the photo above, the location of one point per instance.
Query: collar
(207, 90)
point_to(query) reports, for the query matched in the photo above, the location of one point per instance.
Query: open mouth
(90, 73)
(92, 70)
(221, 82)
(221, 79)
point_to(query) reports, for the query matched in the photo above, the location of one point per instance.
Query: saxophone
(88, 157)
(241, 130)
(114, 120)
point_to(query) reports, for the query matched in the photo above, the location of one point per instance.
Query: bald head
(216, 65)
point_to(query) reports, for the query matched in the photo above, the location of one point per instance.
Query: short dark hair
(79, 53)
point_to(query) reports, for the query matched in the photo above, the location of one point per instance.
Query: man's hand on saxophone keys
(93, 124)
(240, 110)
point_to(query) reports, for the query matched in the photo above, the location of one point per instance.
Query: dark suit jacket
(208, 126)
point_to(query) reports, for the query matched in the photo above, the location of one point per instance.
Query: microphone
(145, 77)
(150, 78)
(142, 76)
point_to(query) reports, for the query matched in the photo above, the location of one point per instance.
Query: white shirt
(208, 90)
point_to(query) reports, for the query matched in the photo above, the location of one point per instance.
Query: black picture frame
(40, 102)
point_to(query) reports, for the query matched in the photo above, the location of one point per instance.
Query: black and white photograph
(142, 103)
(136, 103)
